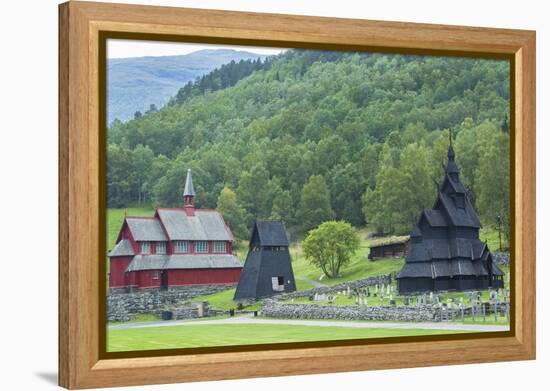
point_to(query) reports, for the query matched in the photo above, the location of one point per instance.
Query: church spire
(451, 151)
(189, 195)
(452, 168)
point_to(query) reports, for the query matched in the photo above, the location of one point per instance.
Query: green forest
(310, 136)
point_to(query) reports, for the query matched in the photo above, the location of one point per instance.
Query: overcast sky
(122, 48)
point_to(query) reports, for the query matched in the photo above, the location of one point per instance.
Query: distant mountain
(133, 84)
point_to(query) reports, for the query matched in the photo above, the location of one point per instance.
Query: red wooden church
(175, 247)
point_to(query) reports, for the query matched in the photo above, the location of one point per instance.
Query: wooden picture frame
(82, 29)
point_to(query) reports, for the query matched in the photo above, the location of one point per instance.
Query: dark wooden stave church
(445, 252)
(268, 269)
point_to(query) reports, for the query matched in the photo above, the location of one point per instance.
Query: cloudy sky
(120, 48)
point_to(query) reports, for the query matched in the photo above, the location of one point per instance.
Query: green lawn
(171, 337)
(224, 301)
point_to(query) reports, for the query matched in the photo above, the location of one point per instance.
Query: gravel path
(320, 323)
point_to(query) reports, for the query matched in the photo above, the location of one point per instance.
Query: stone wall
(357, 284)
(276, 309)
(123, 306)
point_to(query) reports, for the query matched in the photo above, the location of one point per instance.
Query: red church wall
(203, 276)
(144, 279)
(117, 267)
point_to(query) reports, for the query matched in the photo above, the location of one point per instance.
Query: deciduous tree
(331, 246)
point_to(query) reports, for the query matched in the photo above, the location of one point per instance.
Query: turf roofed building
(268, 269)
(445, 252)
(176, 247)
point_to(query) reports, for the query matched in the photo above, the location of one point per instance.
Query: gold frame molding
(83, 29)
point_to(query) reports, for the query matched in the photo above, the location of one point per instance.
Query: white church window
(201, 247)
(145, 247)
(181, 246)
(220, 247)
(161, 247)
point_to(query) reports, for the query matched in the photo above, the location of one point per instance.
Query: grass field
(171, 337)
(224, 301)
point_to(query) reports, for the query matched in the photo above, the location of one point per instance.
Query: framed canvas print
(296, 194)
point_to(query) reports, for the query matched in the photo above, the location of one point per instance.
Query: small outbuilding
(395, 247)
(268, 268)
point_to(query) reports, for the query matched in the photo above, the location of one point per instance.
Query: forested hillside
(313, 136)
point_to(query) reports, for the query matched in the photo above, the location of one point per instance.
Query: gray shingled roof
(443, 268)
(183, 261)
(435, 218)
(456, 185)
(146, 229)
(202, 261)
(466, 217)
(428, 249)
(423, 269)
(495, 269)
(416, 233)
(147, 262)
(271, 233)
(204, 225)
(122, 248)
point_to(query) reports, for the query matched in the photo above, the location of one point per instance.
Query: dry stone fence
(425, 313)
(122, 306)
(279, 307)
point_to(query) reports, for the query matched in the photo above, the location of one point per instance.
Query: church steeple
(452, 168)
(189, 195)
